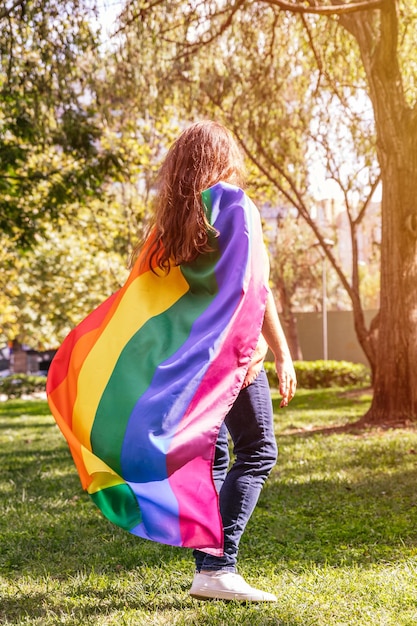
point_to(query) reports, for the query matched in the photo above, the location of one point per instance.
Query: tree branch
(188, 47)
(5, 11)
(338, 9)
(361, 213)
(134, 17)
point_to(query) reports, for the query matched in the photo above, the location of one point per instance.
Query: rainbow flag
(140, 388)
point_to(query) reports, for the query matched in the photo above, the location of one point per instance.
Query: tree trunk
(289, 321)
(395, 376)
(395, 381)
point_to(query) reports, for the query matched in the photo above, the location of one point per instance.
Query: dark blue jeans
(250, 424)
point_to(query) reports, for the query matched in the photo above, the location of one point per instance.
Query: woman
(204, 154)
(148, 386)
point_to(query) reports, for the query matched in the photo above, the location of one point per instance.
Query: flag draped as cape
(140, 388)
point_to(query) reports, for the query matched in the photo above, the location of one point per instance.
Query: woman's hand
(287, 380)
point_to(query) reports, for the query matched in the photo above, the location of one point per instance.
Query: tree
(57, 155)
(76, 171)
(368, 31)
(51, 287)
(392, 90)
(50, 152)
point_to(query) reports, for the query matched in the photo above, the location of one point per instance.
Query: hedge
(18, 385)
(321, 374)
(310, 375)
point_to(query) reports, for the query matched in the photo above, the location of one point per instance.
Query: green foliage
(51, 154)
(49, 289)
(76, 171)
(19, 385)
(322, 374)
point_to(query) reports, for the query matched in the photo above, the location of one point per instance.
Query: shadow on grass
(183, 610)
(329, 398)
(38, 606)
(49, 526)
(58, 531)
(358, 427)
(7, 425)
(24, 606)
(23, 466)
(335, 522)
(17, 408)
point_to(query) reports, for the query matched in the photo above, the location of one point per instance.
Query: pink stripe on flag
(197, 432)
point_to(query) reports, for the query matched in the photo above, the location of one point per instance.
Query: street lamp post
(327, 242)
(324, 309)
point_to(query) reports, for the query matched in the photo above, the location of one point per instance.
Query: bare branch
(338, 9)
(316, 54)
(231, 11)
(296, 200)
(134, 17)
(5, 11)
(368, 199)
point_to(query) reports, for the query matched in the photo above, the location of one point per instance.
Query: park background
(321, 97)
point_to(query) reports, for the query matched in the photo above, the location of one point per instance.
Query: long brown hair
(204, 154)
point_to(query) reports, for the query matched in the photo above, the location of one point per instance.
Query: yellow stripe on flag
(135, 308)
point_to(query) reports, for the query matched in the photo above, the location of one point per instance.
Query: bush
(18, 385)
(321, 374)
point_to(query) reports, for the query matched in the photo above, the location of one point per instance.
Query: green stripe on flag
(118, 503)
(154, 343)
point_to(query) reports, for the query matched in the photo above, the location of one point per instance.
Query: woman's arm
(275, 338)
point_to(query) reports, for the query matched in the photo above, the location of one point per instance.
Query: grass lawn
(334, 534)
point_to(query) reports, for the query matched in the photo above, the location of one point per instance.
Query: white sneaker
(222, 585)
